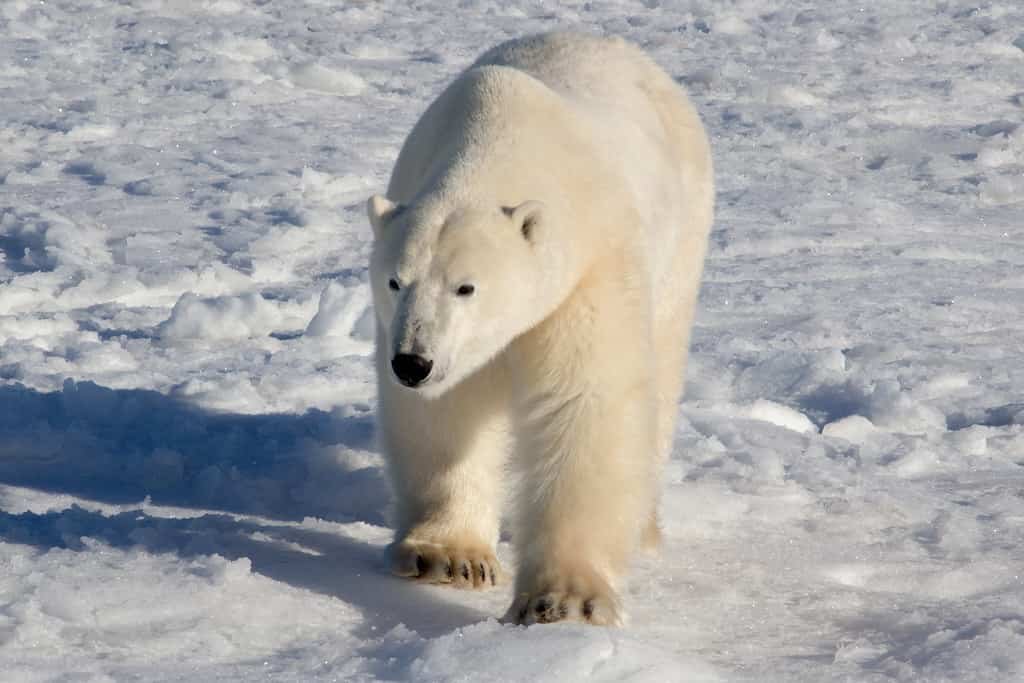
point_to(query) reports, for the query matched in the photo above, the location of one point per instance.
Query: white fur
(569, 180)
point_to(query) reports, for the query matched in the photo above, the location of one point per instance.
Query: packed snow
(189, 485)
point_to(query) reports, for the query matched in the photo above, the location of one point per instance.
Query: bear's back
(567, 115)
(642, 121)
(577, 65)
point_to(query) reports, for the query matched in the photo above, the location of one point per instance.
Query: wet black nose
(411, 369)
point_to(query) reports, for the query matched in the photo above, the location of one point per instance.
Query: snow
(189, 486)
(783, 416)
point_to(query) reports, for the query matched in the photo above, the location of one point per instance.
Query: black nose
(411, 369)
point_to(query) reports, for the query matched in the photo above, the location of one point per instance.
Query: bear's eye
(465, 290)
(393, 285)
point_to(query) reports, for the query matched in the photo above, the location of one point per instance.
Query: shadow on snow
(121, 446)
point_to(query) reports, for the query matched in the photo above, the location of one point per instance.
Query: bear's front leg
(585, 501)
(445, 458)
(586, 444)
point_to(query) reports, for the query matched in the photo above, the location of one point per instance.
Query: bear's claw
(461, 567)
(591, 602)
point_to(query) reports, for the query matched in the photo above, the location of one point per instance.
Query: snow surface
(189, 488)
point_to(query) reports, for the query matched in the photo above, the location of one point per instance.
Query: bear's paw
(456, 565)
(582, 596)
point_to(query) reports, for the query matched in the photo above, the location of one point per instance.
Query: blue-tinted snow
(189, 488)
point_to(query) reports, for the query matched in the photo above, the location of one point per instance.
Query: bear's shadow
(124, 446)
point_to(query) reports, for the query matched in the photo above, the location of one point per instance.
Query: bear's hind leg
(671, 340)
(673, 323)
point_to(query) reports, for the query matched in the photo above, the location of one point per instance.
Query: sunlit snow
(189, 485)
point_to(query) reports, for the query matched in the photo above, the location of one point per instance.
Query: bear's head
(453, 287)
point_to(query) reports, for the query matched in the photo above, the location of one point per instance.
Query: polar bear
(535, 269)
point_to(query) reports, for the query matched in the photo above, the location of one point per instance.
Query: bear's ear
(527, 217)
(380, 210)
